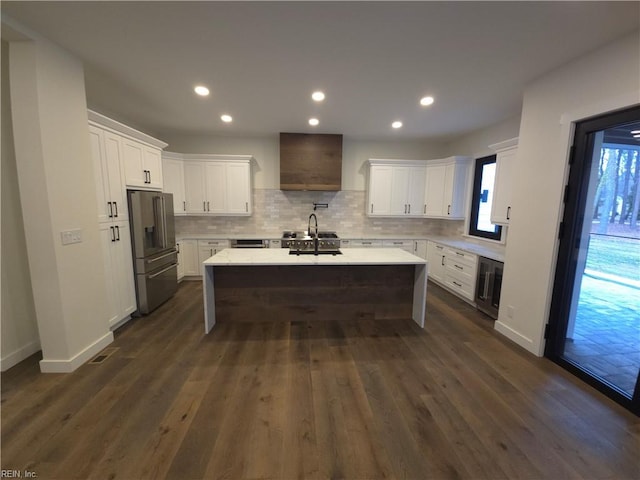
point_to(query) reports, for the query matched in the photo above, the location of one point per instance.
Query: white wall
(57, 192)
(476, 144)
(19, 328)
(266, 151)
(604, 80)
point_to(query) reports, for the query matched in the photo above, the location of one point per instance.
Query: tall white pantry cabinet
(506, 157)
(109, 141)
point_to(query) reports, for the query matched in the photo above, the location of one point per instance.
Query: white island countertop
(281, 256)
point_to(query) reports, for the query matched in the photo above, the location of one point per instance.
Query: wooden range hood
(310, 161)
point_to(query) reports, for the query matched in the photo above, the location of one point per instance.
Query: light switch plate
(71, 236)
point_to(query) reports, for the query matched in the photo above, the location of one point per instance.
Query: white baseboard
(67, 366)
(516, 337)
(18, 355)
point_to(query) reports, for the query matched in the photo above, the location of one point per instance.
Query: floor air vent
(103, 355)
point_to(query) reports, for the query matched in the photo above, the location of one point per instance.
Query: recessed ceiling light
(318, 96)
(425, 101)
(637, 135)
(396, 124)
(201, 90)
(314, 121)
(226, 118)
(635, 132)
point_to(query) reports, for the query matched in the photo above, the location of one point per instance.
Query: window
(480, 218)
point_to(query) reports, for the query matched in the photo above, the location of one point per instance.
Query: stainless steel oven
(489, 285)
(249, 243)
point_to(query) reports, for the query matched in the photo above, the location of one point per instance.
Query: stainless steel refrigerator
(153, 241)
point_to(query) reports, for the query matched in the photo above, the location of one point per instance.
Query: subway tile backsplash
(277, 210)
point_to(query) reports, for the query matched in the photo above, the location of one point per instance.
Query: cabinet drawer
(462, 288)
(460, 270)
(461, 257)
(365, 243)
(214, 243)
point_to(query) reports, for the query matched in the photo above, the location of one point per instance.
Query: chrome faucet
(315, 238)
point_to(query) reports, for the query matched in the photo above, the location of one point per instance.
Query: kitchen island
(271, 284)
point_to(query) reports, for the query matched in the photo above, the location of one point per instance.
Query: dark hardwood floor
(285, 400)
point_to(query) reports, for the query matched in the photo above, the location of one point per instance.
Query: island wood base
(312, 292)
(289, 293)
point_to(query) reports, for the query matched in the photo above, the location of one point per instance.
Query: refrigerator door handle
(158, 210)
(161, 257)
(173, 265)
(164, 222)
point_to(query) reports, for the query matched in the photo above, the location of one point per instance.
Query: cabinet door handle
(204, 206)
(458, 267)
(405, 208)
(118, 232)
(425, 209)
(177, 248)
(372, 208)
(448, 209)
(457, 284)
(145, 176)
(113, 234)
(409, 208)
(246, 207)
(115, 204)
(443, 260)
(508, 213)
(110, 209)
(208, 210)
(149, 172)
(184, 206)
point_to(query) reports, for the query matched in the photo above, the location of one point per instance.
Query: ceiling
(373, 60)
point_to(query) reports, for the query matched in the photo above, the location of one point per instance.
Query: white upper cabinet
(506, 158)
(110, 184)
(215, 186)
(446, 188)
(238, 179)
(418, 188)
(139, 154)
(173, 176)
(142, 165)
(194, 188)
(396, 188)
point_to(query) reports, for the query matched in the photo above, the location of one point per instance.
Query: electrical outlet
(71, 236)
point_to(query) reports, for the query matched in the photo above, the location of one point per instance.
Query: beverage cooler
(489, 285)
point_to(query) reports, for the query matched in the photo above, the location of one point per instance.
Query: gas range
(304, 242)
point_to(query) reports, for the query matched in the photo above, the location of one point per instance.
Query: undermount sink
(311, 252)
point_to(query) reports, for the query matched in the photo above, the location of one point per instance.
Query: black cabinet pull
(115, 204)
(118, 231)
(110, 209)
(113, 234)
(508, 213)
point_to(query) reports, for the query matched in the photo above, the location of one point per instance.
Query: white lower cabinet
(435, 259)
(455, 269)
(188, 258)
(360, 243)
(460, 272)
(118, 267)
(208, 248)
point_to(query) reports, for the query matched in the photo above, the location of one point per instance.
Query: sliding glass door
(594, 326)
